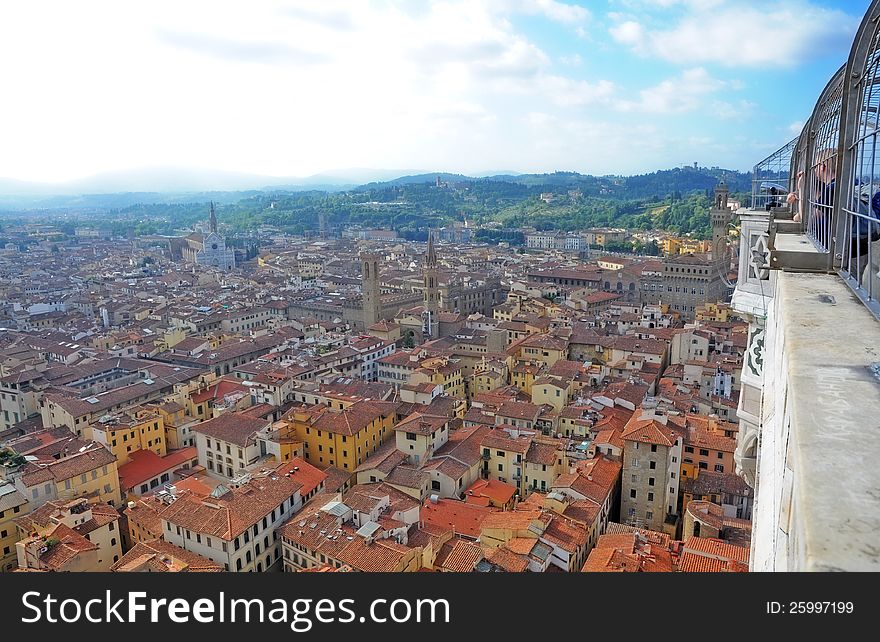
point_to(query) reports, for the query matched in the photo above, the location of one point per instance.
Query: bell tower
(432, 289)
(720, 215)
(370, 288)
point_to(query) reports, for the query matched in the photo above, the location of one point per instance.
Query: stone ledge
(832, 347)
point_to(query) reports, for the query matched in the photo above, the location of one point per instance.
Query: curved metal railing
(834, 171)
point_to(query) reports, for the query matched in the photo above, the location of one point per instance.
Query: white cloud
(796, 128)
(287, 88)
(562, 12)
(683, 93)
(738, 110)
(629, 33)
(781, 33)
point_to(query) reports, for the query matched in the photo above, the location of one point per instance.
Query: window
(719, 468)
(500, 468)
(632, 493)
(650, 497)
(652, 465)
(704, 452)
(650, 481)
(649, 515)
(720, 455)
(653, 448)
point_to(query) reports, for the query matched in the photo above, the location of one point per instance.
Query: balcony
(809, 285)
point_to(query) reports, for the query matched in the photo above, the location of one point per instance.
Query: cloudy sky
(285, 88)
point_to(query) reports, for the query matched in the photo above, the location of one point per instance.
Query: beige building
(50, 533)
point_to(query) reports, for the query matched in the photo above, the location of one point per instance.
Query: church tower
(720, 214)
(213, 219)
(432, 288)
(370, 288)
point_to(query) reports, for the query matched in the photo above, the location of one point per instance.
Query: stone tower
(432, 289)
(213, 219)
(720, 214)
(370, 288)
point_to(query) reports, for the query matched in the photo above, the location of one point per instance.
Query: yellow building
(523, 375)
(674, 245)
(174, 418)
(487, 378)
(124, 433)
(504, 456)
(444, 372)
(343, 438)
(88, 471)
(171, 338)
(545, 348)
(552, 391)
(12, 505)
(718, 312)
(544, 462)
(670, 245)
(144, 523)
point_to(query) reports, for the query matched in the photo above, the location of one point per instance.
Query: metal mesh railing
(823, 166)
(771, 178)
(860, 246)
(833, 173)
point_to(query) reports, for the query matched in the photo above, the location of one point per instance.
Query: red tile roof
(144, 465)
(463, 518)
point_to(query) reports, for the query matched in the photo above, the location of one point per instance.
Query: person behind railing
(823, 183)
(864, 249)
(773, 202)
(794, 196)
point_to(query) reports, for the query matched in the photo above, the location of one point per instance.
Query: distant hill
(662, 183)
(673, 199)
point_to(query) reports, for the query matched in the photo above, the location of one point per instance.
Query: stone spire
(432, 288)
(213, 219)
(431, 255)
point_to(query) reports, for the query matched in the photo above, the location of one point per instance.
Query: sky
(291, 88)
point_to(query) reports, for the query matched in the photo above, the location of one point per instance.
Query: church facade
(209, 249)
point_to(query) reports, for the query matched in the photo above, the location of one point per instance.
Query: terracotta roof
(159, 556)
(229, 516)
(707, 555)
(144, 465)
(491, 490)
(463, 557)
(232, 427)
(507, 560)
(463, 518)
